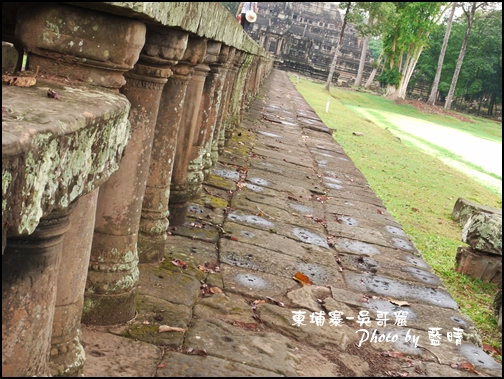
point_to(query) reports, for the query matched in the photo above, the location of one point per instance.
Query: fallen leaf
(19, 81)
(179, 263)
(209, 206)
(231, 237)
(204, 269)
(415, 209)
(145, 322)
(490, 349)
(255, 302)
(215, 290)
(399, 302)
(203, 352)
(292, 198)
(166, 328)
(379, 211)
(302, 278)
(4, 111)
(53, 94)
(363, 300)
(161, 365)
(393, 354)
(279, 303)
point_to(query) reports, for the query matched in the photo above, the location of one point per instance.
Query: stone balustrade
(148, 94)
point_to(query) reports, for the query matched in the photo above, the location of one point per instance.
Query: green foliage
(481, 72)
(390, 76)
(231, 7)
(375, 46)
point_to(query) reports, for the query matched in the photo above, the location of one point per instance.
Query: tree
(470, 19)
(338, 47)
(377, 15)
(437, 78)
(480, 76)
(404, 41)
(231, 7)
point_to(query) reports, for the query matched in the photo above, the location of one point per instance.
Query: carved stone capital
(80, 44)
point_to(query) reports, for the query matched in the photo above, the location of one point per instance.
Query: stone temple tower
(303, 38)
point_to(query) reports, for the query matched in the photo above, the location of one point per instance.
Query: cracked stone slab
(328, 336)
(183, 365)
(169, 285)
(264, 350)
(383, 286)
(255, 285)
(259, 259)
(277, 242)
(108, 355)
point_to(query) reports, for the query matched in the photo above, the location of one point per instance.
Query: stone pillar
(179, 191)
(210, 104)
(222, 69)
(227, 86)
(233, 83)
(154, 221)
(87, 47)
(30, 268)
(67, 354)
(235, 105)
(113, 270)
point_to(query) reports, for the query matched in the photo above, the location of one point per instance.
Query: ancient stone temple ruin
(122, 110)
(303, 38)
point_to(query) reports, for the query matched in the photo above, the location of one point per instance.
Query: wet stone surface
(298, 206)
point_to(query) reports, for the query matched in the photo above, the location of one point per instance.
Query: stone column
(210, 103)
(179, 191)
(218, 133)
(233, 83)
(67, 354)
(113, 269)
(30, 268)
(86, 47)
(154, 221)
(233, 118)
(222, 70)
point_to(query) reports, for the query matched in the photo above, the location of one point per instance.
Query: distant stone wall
(133, 103)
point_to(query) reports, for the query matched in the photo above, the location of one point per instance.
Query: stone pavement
(285, 201)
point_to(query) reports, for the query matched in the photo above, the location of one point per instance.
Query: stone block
(487, 267)
(10, 58)
(483, 232)
(464, 208)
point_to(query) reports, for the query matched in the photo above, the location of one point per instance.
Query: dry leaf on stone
(393, 354)
(215, 290)
(53, 94)
(490, 349)
(232, 238)
(166, 328)
(179, 263)
(204, 269)
(400, 303)
(19, 81)
(161, 365)
(279, 303)
(302, 278)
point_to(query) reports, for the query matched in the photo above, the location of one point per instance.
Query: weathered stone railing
(91, 181)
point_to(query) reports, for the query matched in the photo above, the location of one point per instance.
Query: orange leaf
(490, 349)
(302, 278)
(401, 303)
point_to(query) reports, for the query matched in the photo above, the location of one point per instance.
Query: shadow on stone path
(286, 199)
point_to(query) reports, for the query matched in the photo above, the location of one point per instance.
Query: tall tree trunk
(437, 78)
(364, 50)
(335, 59)
(373, 73)
(470, 19)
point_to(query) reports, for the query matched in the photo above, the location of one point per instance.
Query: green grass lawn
(418, 189)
